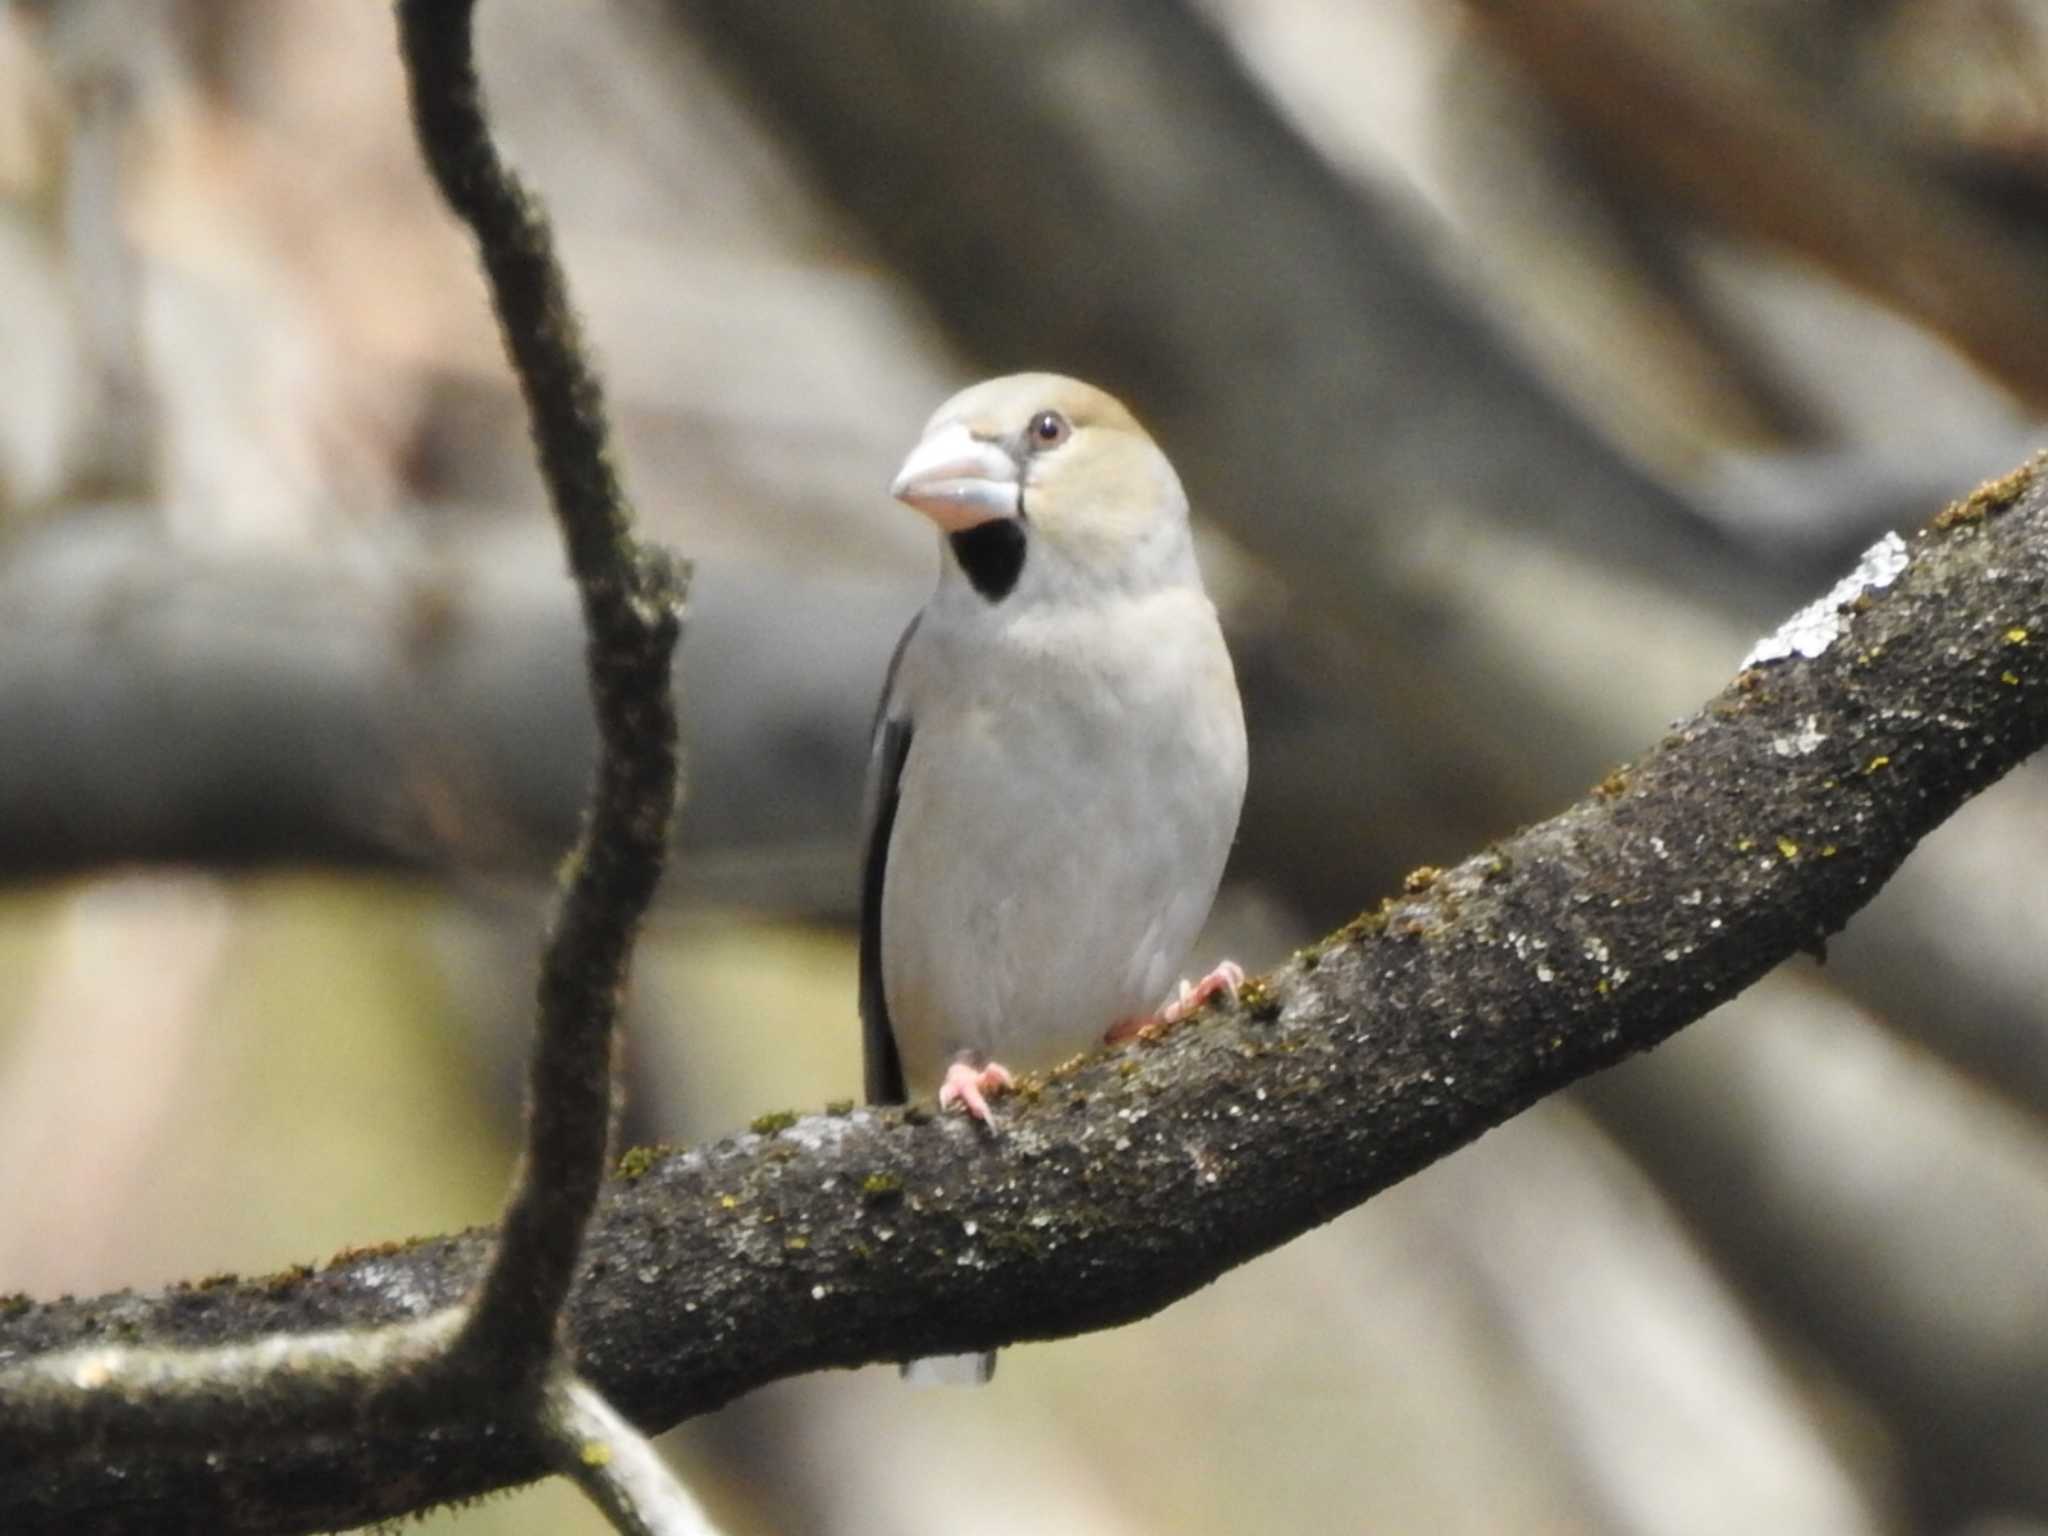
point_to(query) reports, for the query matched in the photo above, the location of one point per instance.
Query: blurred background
(1525, 359)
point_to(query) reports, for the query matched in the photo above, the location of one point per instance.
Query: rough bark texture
(1753, 830)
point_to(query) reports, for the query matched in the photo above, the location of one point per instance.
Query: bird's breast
(1063, 820)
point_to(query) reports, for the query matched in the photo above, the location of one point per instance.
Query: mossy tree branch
(1753, 830)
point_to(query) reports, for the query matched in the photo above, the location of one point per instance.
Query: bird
(1058, 759)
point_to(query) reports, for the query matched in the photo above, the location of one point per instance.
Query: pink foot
(1187, 1000)
(971, 1088)
(1227, 977)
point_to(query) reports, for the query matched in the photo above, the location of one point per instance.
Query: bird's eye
(1049, 429)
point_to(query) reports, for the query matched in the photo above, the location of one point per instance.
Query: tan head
(1045, 484)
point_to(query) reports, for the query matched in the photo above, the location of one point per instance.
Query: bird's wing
(890, 746)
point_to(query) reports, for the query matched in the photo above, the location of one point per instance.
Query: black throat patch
(992, 555)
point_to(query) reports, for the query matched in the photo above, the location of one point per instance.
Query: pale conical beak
(957, 479)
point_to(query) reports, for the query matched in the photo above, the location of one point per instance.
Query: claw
(1227, 977)
(971, 1088)
(1186, 1000)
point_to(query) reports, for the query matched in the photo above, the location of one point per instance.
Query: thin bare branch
(614, 1464)
(632, 598)
(453, 1361)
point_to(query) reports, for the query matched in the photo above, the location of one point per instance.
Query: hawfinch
(1058, 760)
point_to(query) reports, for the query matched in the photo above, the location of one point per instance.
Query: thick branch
(632, 603)
(367, 703)
(1752, 831)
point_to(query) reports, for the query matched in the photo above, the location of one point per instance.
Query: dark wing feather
(891, 745)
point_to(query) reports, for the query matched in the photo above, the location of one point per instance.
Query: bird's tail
(951, 1370)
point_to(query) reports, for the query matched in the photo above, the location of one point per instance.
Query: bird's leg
(1227, 977)
(971, 1087)
(1187, 998)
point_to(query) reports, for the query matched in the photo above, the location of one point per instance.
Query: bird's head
(1043, 484)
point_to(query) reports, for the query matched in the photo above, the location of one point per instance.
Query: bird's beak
(958, 480)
